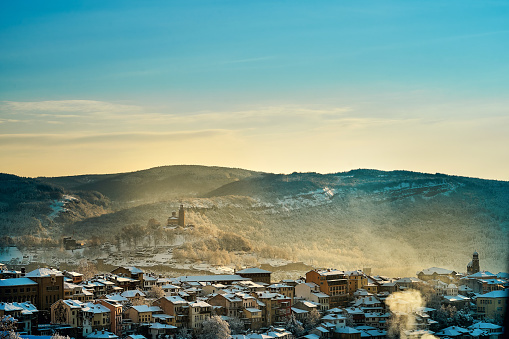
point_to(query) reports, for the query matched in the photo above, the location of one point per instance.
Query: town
(327, 303)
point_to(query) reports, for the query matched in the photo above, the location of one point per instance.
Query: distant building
(473, 266)
(179, 220)
(255, 274)
(437, 273)
(71, 244)
(132, 273)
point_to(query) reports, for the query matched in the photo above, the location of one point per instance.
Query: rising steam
(404, 306)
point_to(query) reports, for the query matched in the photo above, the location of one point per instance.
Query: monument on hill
(179, 220)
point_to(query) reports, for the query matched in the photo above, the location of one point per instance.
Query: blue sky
(266, 85)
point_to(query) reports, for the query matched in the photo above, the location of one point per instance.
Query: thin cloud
(71, 106)
(33, 139)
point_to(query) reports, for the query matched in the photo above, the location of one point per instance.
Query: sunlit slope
(155, 184)
(392, 220)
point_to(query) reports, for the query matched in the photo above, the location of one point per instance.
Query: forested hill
(155, 184)
(347, 219)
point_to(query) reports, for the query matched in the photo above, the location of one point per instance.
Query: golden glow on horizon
(94, 137)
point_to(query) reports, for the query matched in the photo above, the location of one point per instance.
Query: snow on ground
(58, 206)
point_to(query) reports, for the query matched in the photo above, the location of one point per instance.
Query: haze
(275, 86)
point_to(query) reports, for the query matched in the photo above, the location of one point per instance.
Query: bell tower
(473, 266)
(475, 262)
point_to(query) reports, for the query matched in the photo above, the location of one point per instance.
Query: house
(25, 314)
(252, 318)
(83, 317)
(115, 314)
(76, 277)
(255, 274)
(331, 282)
(50, 287)
(130, 272)
(158, 330)
(277, 307)
(134, 296)
(356, 279)
(231, 304)
(143, 313)
(19, 290)
(175, 306)
(286, 290)
(347, 333)
(199, 311)
(492, 305)
(437, 273)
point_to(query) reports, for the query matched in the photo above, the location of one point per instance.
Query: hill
(155, 184)
(399, 220)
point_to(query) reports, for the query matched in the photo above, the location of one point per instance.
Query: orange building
(331, 282)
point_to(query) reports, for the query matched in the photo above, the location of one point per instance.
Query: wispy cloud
(34, 139)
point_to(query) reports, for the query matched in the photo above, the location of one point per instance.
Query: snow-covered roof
(503, 275)
(452, 331)
(132, 293)
(298, 310)
(116, 297)
(252, 310)
(485, 326)
(43, 272)
(159, 326)
(136, 336)
(16, 282)
(133, 270)
(75, 304)
(199, 304)
(329, 272)
(437, 270)
(146, 308)
(8, 307)
(175, 299)
(97, 308)
(170, 286)
(320, 295)
(101, 335)
(482, 274)
(347, 330)
(495, 294)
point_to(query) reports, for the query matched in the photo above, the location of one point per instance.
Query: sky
(276, 86)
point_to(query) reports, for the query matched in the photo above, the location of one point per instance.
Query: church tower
(473, 266)
(182, 219)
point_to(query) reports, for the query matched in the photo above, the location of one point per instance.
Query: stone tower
(473, 266)
(182, 218)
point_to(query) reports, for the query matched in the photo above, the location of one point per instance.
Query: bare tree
(87, 268)
(312, 319)
(156, 292)
(8, 326)
(215, 328)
